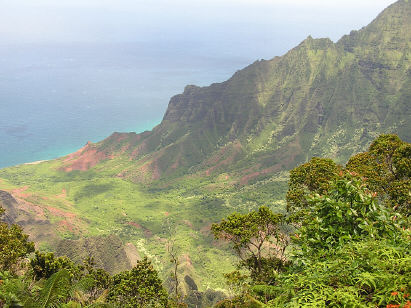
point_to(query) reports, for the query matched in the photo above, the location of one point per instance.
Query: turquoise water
(76, 71)
(53, 99)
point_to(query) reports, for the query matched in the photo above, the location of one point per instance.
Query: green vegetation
(14, 244)
(350, 247)
(256, 240)
(140, 287)
(228, 148)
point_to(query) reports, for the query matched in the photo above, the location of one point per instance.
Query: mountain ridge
(312, 96)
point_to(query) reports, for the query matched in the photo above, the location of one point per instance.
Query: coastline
(36, 162)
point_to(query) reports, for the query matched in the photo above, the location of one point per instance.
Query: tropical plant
(45, 264)
(139, 287)
(386, 169)
(257, 240)
(313, 176)
(14, 245)
(348, 212)
(351, 251)
(55, 291)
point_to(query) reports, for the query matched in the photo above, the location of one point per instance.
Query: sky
(103, 21)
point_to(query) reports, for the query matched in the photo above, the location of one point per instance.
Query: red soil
(141, 148)
(58, 212)
(245, 179)
(31, 208)
(19, 192)
(187, 260)
(84, 159)
(63, 194)
(64, 224)
(217, 160)
(147, 233)
(206, 230)
(134, 224)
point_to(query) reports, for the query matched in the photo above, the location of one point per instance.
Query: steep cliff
(319, 99)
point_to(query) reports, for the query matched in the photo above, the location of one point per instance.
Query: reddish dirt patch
(124, 148)
(58, 212)
(134, 224)
(141, 148)
(78, 153)
(147, 232)
(217, 161)
(156, 171)
(176, 164)
(84, 159)
(31, 208)
(66, 225)
(118, 136)
(186, 259)
(147, 172)
(63, 194)
(245, 179)
(19, 192)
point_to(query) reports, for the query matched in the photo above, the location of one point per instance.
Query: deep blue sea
(53, 99)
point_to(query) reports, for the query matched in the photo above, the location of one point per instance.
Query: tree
(14, 245)
(386, 168)
(314, 176)
(44, 265)
(348, 212)
(139, 287)
(173, 253)
(354, 253)
(257, 240)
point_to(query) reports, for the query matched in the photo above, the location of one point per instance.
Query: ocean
(77, 71)
(54, 99)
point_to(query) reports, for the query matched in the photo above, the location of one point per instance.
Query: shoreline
(36, 162)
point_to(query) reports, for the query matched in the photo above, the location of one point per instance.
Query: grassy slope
(225, 147)
(137, 213)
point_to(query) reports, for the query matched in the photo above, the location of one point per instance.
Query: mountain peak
(319, 99)
(389, 30)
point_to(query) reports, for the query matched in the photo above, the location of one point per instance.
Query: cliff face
(319, 99)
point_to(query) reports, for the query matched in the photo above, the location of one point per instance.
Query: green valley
(225, 148)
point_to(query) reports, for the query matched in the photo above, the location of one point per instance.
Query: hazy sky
(179, 20)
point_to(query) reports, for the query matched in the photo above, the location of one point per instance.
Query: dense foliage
(257, 239)
(351, 246)
(49, 281)
(386, 169)
(14, 244)
(139, 287)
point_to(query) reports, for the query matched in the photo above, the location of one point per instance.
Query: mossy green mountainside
(220, 148)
